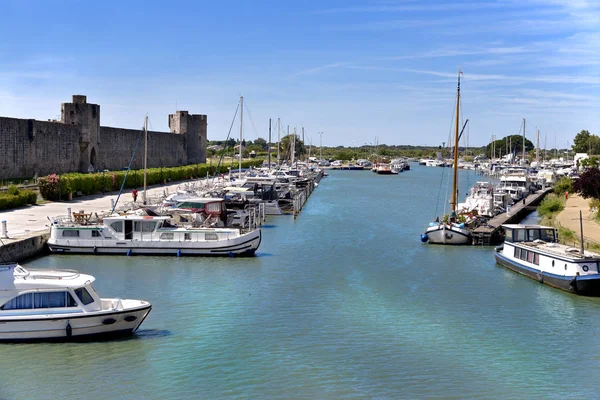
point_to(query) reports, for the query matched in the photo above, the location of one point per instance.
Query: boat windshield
(84, 296)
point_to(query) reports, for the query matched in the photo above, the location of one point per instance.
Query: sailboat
(450, 231)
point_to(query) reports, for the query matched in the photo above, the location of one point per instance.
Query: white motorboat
(479, 200)
(61, 305)
(534, 251)
(135, 234)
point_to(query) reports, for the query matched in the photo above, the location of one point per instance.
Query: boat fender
(129, 252)
(178, 253)
(69, 330)
(231, 254)
(95, 249)
(424, 237)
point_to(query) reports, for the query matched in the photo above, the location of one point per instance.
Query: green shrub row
(54, 187)
(550, 205)
(15, 197)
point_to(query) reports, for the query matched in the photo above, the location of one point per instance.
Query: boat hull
(80, 326)
(445, 234)
(245, 245)
(583, 285)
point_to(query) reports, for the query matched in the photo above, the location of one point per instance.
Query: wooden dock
(491, 233)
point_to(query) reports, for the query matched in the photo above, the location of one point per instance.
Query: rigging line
(250, 116)
(128, 169)
(226, 141)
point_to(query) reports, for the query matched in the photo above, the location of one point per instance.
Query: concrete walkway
(569, 218)
(25, 221)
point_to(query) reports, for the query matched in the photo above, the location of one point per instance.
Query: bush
(22, 197)
(53, 187)
(550, 205)
(563, 185)
(13, 190)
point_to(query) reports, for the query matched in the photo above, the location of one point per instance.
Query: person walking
(134, 194)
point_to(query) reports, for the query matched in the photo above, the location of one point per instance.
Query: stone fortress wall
(78, 143)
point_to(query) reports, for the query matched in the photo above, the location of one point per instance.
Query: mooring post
(4, 232)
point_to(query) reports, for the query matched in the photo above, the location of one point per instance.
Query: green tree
(581, 142)
(515, 142)
(262, 143)
(285, 146)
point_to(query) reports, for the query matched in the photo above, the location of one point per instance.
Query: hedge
(15, 197)
(54, 187)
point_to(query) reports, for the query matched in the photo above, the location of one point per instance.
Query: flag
(460, 72)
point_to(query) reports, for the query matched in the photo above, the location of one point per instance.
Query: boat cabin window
(211, 236)
(96, 233)
(519, 235)
(547, 235)
(533, 234)
(187, 236)
(144, 226)
(117, 226)
(70, 233)
(167, 235)
(508, 235)
(84, 296)
(41, 300)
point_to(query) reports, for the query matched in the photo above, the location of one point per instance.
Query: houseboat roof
(14, 276)
(525, 226)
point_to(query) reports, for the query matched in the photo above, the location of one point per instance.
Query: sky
(358, 71)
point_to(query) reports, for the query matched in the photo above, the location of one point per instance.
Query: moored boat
(135, 234)
(535, 251)
(450, 230)
(61, 305)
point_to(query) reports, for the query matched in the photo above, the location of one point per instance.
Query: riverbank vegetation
(62, 187)
(15, 197)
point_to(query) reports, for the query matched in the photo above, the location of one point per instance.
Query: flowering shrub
(52, 187)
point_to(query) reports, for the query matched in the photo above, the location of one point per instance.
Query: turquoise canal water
(343, 303)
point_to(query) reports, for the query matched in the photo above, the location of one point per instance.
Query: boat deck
(491, 233)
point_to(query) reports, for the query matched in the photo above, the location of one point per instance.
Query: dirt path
(569, 218)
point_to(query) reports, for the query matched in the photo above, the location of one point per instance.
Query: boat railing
(60, 274)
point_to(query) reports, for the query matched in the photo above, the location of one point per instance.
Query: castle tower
(87, 117)
(193, 126)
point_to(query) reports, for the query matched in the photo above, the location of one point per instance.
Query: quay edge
(24, 247)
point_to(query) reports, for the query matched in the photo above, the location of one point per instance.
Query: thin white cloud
(315, 70)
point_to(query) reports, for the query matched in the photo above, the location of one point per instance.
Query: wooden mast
(455, 167)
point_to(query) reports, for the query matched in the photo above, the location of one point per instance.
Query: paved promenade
(25, 221)
(569, 218)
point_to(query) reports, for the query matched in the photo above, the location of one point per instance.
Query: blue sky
(351, 69)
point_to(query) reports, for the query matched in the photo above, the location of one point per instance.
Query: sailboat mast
(455, 167)
(241, 124)
(145, 157)
(278, 138)
(523, 160)
(269, 144)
